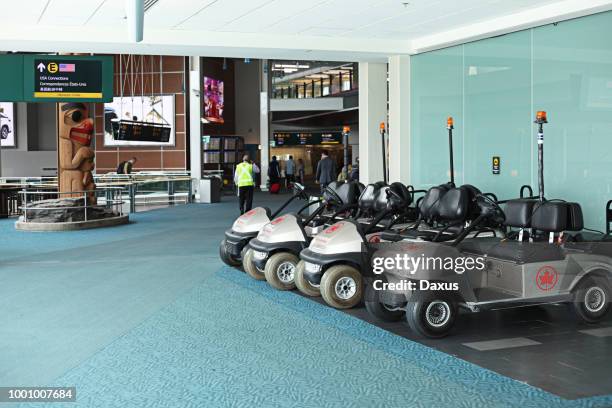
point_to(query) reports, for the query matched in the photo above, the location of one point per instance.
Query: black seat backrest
(368, 197)
(549, 216)
(429, 204)
(518, 213)
(575, 221)
(348, 192)
(473, 208)
(334, 186)
(453, 206)
(381, 199)
(393, 202)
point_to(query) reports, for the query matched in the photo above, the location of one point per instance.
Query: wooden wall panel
(173, 81)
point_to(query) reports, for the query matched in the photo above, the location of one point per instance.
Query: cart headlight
(260, 255)
(312, 268)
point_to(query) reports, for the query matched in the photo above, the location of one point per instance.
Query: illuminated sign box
(56, 78)
(306, 138)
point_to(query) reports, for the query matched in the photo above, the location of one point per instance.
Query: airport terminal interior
(306, 203)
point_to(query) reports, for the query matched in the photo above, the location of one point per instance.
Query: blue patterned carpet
(162, 324)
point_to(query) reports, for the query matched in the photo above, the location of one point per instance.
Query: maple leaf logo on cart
(547, 278)
(278, 220)
(333, 228)
(250, 213)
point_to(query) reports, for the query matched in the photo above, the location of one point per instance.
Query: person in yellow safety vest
(245, 180)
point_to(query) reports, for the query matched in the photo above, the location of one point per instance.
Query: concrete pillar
(399, 118)
(264, 123)
(372, 111)
(195, 113)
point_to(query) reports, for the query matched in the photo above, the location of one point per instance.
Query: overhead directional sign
(306, 138)
(56, 78)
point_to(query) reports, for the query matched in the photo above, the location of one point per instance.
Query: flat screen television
(7, 124)
(213, 100)
(139, 121)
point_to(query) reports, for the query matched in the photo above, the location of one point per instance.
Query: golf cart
(549, 259)
(278, 242)
(248, 225)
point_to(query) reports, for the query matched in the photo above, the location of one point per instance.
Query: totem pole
(76, 158)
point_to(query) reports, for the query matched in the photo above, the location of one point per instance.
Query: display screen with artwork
(7, 124)
(139, 121)
(213, 100)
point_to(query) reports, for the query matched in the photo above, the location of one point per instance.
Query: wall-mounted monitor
(214, 102)
(139, 121)
(7, 124)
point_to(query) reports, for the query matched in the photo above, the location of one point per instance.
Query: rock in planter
(65, 210)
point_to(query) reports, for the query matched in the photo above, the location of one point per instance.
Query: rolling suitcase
(275, 188)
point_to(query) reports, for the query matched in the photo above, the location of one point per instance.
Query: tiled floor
(558, 355)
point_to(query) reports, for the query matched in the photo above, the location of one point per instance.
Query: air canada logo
(375, 239)
(547, 278)
(278, 220)
(250, 213)
(333, 228)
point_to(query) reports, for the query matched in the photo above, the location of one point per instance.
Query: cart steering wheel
(334, 196)
(390, 193)
(490, 209)
(299, 190)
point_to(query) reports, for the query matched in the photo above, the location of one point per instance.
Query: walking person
(274, 175)
(290, 171)
(326, 170)
(300, 170)
(245, 180)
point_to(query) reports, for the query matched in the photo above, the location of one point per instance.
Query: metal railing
(139, 189)
(109, 198)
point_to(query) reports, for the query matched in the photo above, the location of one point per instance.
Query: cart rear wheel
(249, 266)
(342, 286)
(225, 256)
(592, 299)
(431, 314)
(302, 283)
(280, 270)
(378, 309)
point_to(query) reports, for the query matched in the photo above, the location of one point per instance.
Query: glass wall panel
(572, 79)
(436, 94)
(493, 88)
(497, 111)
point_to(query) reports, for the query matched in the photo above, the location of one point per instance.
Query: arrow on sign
(41, 67)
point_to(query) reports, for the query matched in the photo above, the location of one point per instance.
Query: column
(264, 123)
(399, 118)
(372, 111)
(195, 113)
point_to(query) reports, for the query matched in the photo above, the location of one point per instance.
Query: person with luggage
(290, 171)
(274, 175)
(300, 170)
(245, 180)
(326, 170)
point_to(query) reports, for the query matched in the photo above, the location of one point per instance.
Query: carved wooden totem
(76, 158)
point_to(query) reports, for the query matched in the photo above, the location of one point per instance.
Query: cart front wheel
(249, 266)
(378, 309)
(280, 270)
(225, 256)
(342, 286)
(302, 283)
